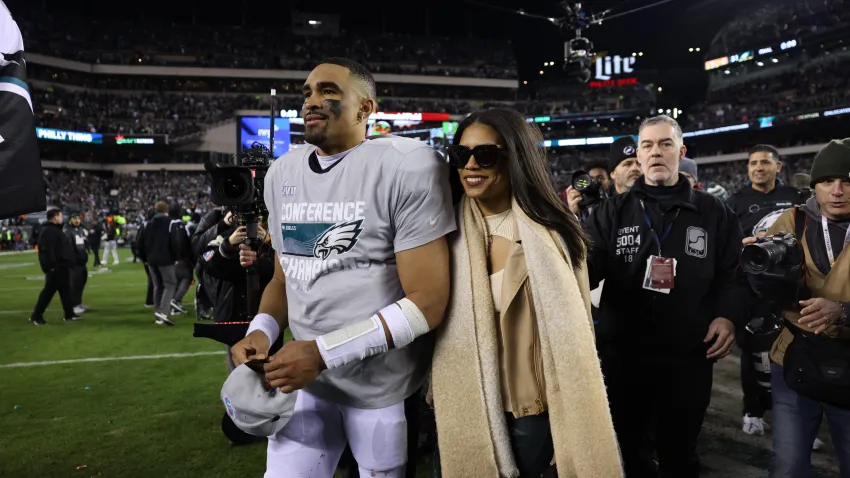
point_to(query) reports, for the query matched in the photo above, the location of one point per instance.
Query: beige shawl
(471, 426)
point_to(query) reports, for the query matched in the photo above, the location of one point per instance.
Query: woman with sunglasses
(516, 380)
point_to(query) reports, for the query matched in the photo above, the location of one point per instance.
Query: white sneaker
(162, 319)
(753, 425)
(78, 310)
(818, 444)
(178, 307)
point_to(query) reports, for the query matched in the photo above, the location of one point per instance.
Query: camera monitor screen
(250, 129)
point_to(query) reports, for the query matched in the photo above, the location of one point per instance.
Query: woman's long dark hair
(530, 175)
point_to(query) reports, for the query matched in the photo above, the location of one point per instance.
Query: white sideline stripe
(109, 359)
(9, 253)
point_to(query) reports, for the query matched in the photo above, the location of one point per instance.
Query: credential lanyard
(659, 240)
(828, 240)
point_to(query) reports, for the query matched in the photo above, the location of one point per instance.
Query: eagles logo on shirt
(340, 238)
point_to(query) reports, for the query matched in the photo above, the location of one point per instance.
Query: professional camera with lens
(592, 192)
(779, 256)
(239, 185)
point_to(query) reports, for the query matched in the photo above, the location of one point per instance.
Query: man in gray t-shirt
(362, 275)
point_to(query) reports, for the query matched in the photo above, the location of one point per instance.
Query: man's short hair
(357, 70)
(663, 119)
(52, 213)
(764, 148)
(161, 207)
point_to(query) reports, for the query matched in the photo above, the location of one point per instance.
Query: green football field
(61, 416)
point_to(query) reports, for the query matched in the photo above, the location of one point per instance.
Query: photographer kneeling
(804, 258)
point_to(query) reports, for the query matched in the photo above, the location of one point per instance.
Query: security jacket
(705, 239)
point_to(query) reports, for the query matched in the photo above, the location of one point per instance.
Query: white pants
(311, 444)
(110, 246)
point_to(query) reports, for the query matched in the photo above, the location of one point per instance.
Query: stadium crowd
(811, 87)
(134, 43)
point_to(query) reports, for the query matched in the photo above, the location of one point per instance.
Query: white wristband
(267, 324)
(353, 343)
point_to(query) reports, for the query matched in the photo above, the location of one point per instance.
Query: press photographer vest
(832, 286)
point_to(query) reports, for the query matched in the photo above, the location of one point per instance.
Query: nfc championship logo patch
(697, 242)
(320, 240)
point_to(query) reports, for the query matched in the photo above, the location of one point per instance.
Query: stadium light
(727, 72)
(634, 54)
(525, 82)
(314, 22)
(660, 89)
(760, 64)
(775, 60)
(697, 48)
(541, 72)
(640, 54)
(691, 50)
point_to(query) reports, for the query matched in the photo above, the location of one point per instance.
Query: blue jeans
(796, 421)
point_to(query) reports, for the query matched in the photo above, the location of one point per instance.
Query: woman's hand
(238, 236)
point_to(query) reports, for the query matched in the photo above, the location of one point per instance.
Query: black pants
(79, 277)
(531, 444)
(59, 280)
(149, 295)
(95, 250)
(658, 404)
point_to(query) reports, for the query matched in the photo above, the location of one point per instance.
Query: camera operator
(223, 264)
(76, 233)
(757, 206)
(668, 254)
(809, 371)
(624, 167)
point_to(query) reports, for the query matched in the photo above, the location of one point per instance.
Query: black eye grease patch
(334, 106)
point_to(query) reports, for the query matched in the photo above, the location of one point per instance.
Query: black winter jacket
(705, 239)
(78, 236)
(55, 250)
(157, 246)
(231, 299)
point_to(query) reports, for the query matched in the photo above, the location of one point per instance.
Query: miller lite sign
(606, 67)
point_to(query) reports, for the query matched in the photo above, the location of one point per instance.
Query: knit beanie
(833, 161)
(687, 165)
(621, 150)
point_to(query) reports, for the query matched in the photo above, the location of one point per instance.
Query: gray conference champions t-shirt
(336, 232)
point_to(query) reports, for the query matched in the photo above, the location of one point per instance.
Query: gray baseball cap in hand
(253, 408)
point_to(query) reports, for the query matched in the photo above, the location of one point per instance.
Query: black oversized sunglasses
(486, 155)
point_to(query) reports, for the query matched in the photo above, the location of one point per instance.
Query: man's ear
(779, 166)
(368, 107)
(682, 151)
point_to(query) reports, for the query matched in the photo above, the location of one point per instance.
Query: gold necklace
(490, 233)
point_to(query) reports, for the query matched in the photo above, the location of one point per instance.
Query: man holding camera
(669, 255)
(624, 168)
(757, 206)
(810, 375)
(361, 273)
